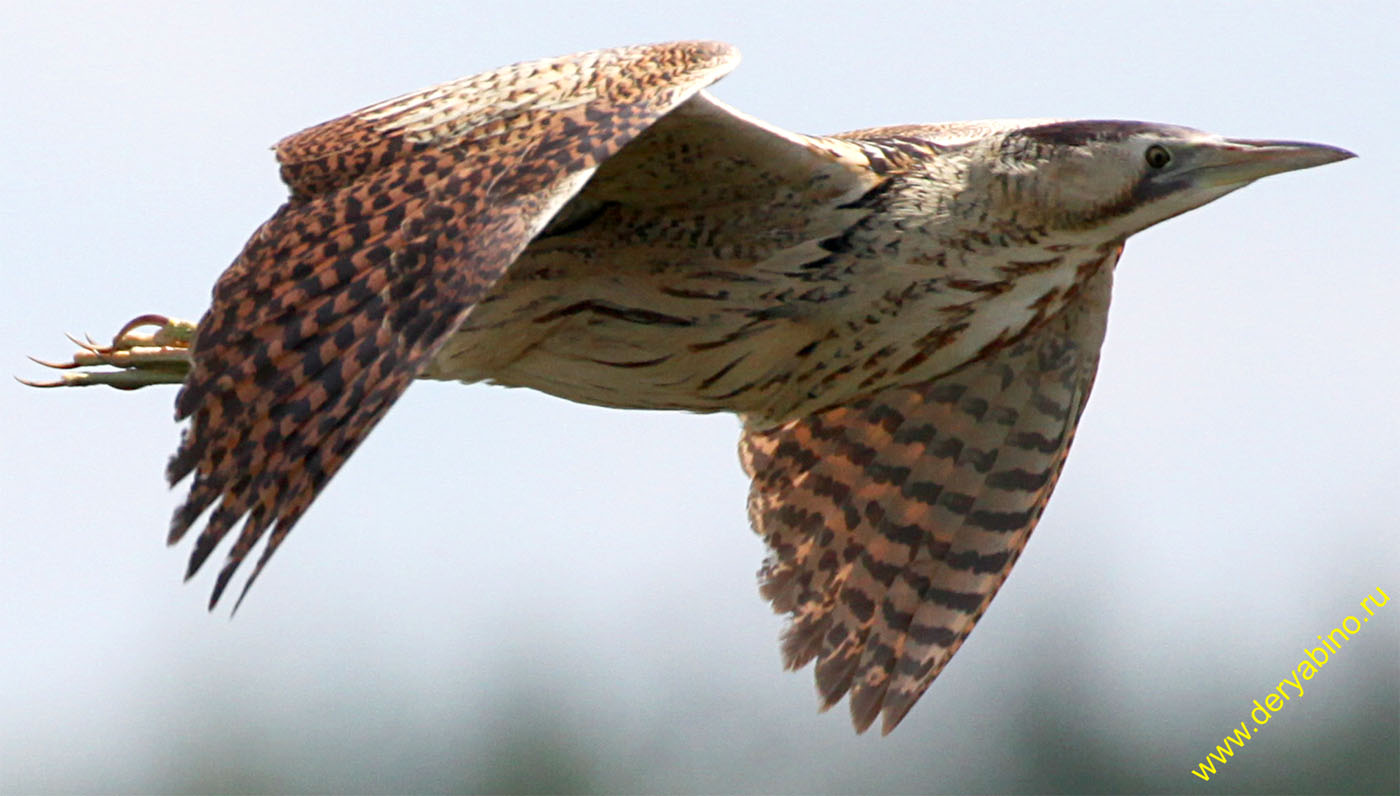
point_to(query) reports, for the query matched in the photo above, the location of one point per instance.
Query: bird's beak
(1239, 161)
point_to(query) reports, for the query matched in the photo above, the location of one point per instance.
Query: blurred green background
(507, 593)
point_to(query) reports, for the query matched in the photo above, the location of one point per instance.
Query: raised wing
(893, 521)
(710, 153)
(401, 216)
(682, 276)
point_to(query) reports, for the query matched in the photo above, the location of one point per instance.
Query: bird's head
(1119, 177)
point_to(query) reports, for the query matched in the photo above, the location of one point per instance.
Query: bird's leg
(142, 357)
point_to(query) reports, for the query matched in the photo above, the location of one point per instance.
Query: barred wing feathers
(892, 521)
(401, 216)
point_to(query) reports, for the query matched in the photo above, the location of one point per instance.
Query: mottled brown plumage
(893, 520)
(907, 319)
(342, 297)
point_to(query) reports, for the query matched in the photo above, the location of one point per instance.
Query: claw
(90, 345)
(149, 319)
(145, 358)
(54, 365)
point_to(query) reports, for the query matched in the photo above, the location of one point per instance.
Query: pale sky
(493, 562)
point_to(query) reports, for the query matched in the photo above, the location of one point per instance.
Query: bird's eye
(1158, 156)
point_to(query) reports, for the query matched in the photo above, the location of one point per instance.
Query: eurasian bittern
(906, 319)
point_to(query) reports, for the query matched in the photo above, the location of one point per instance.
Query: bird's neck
(928, 283)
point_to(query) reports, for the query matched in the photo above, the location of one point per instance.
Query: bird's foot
(142, 357)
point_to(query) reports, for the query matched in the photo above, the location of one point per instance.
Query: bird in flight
(907, 320)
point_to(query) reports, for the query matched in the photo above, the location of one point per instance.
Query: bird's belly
(622, 348)
(763, 344)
